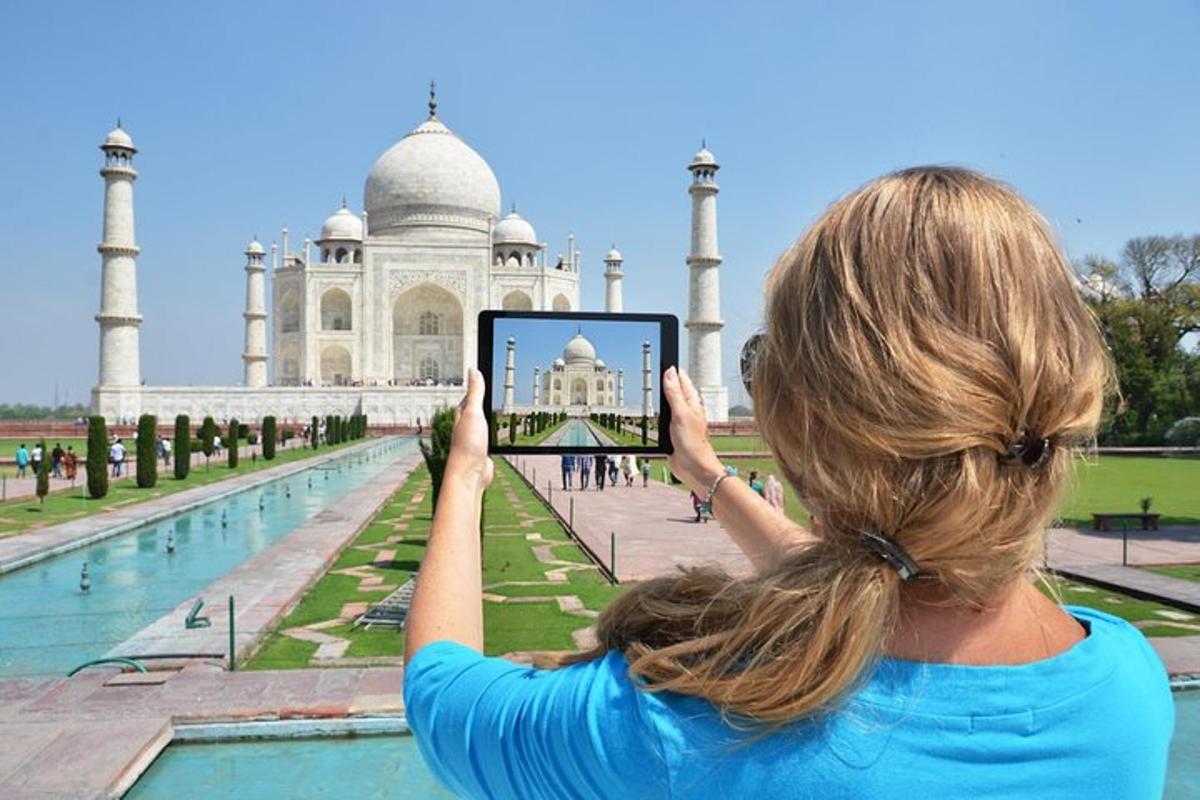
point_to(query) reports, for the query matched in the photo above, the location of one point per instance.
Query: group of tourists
(770, 490)
(63, 463)
(603, 467)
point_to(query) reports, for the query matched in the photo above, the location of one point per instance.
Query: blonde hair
(923, 325)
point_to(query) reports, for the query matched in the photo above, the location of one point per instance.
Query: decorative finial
(514, 206)
(703, 143)
(343, 201)
(433, 99)
(118, 122)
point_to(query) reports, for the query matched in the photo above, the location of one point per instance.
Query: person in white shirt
(116, 455)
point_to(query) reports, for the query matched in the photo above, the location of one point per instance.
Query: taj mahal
(378, 314)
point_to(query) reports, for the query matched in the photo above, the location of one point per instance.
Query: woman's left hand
(469, 443)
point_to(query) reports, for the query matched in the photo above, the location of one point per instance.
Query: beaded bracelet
(712, 490)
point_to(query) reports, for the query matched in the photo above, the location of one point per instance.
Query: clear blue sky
(251, 116)
(539, 342)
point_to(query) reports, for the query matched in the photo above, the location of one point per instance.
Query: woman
(927, 365)
(628, 469)
(773, 493)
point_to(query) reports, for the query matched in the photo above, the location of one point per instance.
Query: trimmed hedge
(147, 451)
(316, 433)
(183, 446)
(233, 443)
(97, 458)
(268, 438)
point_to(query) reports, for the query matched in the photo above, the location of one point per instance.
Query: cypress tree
(43, 476)
(645, 429)
(233, 443)
(492, 431)
(438, 449)
(512, 428)
(97, 458)
(364, 425)
(183, 446)
(315, 433)
(208, 432)
(268, 438)
(147, 451)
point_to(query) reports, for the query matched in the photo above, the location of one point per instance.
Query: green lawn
(1145, 614)
(64, 504)
(510, 569)
(739, 444)
(1189, 572)
(8, 448)
(1117, 483)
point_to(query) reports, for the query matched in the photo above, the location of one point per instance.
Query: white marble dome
(514, 229)
(614, 255)
(599, 363)
(430, 174)
(558, 362)
(579, 350)
(703, 158)
(255, 248)
(117, 137)
(342, 224)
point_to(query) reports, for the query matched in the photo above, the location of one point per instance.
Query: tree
(97, 458)
(315, 433)
(147, 451)
(43, 476)
(183, 446)
(233, 443)
(437, 450)
(208, 435)
(512, 428)
(268, 438)
(645, 424)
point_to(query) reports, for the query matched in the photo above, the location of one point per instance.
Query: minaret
(255, 355)
(537, 386)
(120, 362)
(704, 290)
(620, 386)
(509, 374)
(647, 393)
(613, 274)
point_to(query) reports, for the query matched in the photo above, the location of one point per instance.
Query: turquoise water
(578, 434)
(49, 626)
(1183, 770)
(358, 768)
(391, 767)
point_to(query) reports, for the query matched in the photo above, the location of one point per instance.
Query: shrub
(1145, 503)
(1184, 432)
(43, 476)
(207, 434)
(268, 437)
(512, 428)
(252, 438)
(183, 446)
(233, 443)
(97, 458)
(147, 451)
(316, 433)
(645, 428)
(438, 449)
(286, 435)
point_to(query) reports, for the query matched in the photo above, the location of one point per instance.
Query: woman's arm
(761, 532)
(448, 602)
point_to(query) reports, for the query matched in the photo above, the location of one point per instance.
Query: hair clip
(1030, 449)
(891, 552)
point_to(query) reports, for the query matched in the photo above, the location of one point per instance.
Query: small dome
(558, 362)
(117, 137)
(430, 174)
(703, 158)
(342, 224)
(514, 229)
(579, 350)
(614, 255)
(599, 364)
(255, 248)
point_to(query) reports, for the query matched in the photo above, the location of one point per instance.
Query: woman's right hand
(693, 461)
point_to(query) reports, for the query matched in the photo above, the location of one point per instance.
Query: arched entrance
(335, 365)
(579, 392)
(427, 335)
(516, 301)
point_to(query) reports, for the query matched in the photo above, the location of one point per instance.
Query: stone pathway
(654, 527)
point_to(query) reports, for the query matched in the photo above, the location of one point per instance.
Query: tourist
(567, 463)
(754, 483)
(71, 463)
(35, 459)
(22, 460)
(614, 470)
(601, 470)
(216, 444)
(628, 468)
(645, 472)
(926, 373)
(773, 493)
(116, 457)
(56, 457)
(585, 470)
(165, 447)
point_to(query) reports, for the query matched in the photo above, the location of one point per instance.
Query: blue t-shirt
(1092, 722)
